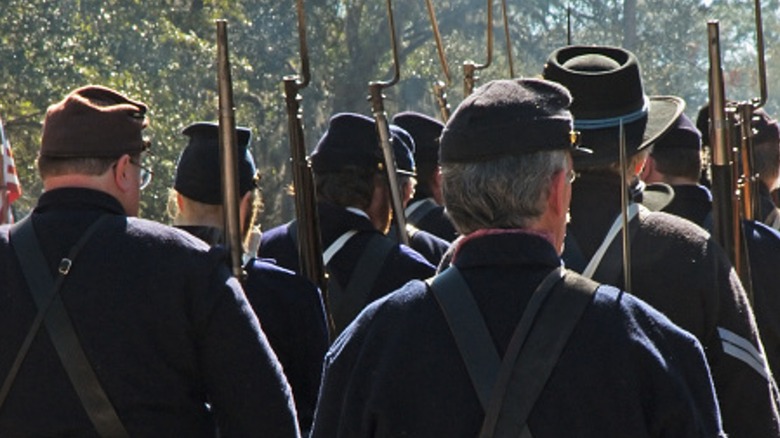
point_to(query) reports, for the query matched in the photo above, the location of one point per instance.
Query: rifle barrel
(228, 153)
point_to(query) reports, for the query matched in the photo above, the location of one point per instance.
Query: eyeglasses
(146, 174)
(572, 176)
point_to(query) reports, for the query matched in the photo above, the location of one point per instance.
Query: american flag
(10, 189)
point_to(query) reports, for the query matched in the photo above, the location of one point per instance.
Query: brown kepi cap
(94, 122)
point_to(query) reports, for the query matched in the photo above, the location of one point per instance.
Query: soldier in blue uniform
(288, 306)
(354, 211)
(676, 160)
(432, 360)
(171, 342)
(425, 211)
(675, 265)
(766, 161)
(428, 245)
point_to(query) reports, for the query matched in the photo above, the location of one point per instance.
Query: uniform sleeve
(245, 385)
(746, 390)
(680, 394)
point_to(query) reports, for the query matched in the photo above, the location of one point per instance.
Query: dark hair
(680, 162)
(352, 186)
(425, 171)
(766, 158)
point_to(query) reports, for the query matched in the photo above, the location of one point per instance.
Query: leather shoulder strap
(347, 303)
(52, 312)
(469, 330)
(523, 378)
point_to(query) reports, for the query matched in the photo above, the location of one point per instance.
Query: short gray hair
(508, 192)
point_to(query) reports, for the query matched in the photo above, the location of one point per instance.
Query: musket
(4, 206)
(731, 134)
(440, 87)
(509, 56)
(228, 153)
(383, 130)
(308, 229)
(624, 203)
(568, 25)
(469, 67)
(440, 93)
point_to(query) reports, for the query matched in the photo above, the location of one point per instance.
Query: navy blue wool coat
(626, 370)
(678, 268)
(401, 265)
(292, 316)
(435, 221)
(695, 204)
(428, 245)
(169, 332)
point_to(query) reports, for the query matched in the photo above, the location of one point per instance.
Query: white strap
(337, 245)
(773, 219)
(594, 263)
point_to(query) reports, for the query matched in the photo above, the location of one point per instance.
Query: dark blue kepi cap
(426, 132)
(403, 151)
(352, 141)
(198, 168)
(510, 117)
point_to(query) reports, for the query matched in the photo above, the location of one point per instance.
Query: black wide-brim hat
(606, 86)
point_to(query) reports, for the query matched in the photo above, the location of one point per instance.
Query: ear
(436, 183)
(556, 199)
(122, 175)
(649, 174)
(640, 164)
(179, 201)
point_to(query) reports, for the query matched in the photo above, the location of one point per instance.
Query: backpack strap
(52, 313)
(608, 241)
(469, 330)
(773, 219)
(348, 302)
(528, 365)
(610, 269)
(514, 383)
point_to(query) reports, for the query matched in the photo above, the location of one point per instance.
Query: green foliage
(163, 53)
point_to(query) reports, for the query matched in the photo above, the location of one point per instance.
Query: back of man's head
(348, 161)
(426, 132)
(677, 153)
(500, 150)
(766, 148)
(88, 129)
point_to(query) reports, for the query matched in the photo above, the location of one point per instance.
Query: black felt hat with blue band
(198, 168)
(509, 117)
(606, 87)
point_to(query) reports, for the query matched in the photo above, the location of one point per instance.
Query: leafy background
(163, 53)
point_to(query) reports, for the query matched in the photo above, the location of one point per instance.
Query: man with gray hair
(506, 342)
